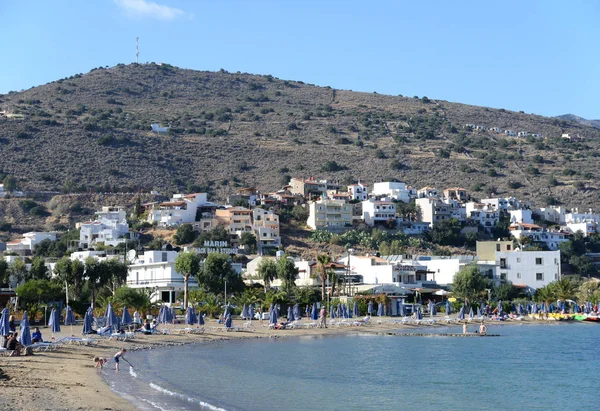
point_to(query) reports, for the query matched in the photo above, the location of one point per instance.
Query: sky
(539, 56)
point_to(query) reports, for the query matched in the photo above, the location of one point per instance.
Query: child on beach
(100, 361)
(117, 356)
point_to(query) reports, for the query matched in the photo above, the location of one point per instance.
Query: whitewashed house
(502, 204)
(521, 216)
(358, 192)
(265, 224)
(554, 214)
(378, 212)
(552, 239)
(428, 192)
(110, 228)
(327, 213)
(433, 210)
(391, 189)
(25, 245)
(180, 209)
(156, 128)
(482, 214)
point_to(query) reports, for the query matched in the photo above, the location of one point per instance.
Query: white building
(156, 270)
(179, 210)
(327, 213)
(458, 210)
(502, 204)
(576, 217)
(554, 214)
(586, 227)
(428, 192)
(433, 210)
(109, 228)
(358, 192)
(378, 270)
(521, 216)
(482, 214)
(392, 189)
(26, 245)
(96, 255)
(413, 227)
(378, 212)
(156, 128)
(265, 224)
(550, 239)
(533, 269)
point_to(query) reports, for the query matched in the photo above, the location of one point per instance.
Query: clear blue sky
(542, 57)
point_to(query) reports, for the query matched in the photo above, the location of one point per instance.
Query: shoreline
(67, 378)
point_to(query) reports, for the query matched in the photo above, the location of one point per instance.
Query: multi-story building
(554, 214)
(550, 239)
(327, 213)
(521, 216)
(502, 204)
(379, 212)
(25, 245)
(433, 210)
(358, 192)
(482, 214)
(394, 190)
(237, 220)
(180, 209)
(109, 228)
(456, 193)
(428, 192)
(265, 224)
(311, 187)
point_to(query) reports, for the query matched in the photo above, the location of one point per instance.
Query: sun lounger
(78, 341)
(44, 346)
(121, 336)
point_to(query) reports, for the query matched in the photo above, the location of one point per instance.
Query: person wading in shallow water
(482, 329)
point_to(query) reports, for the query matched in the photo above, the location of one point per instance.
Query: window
(164, 256)
(503, 263)
(539, 276)
(518, 259)
(518, 275)
(497, 247)
(503, 276)
(556, 276)
(507, 247)
(538, 261)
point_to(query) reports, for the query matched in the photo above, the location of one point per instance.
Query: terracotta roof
(427, 188)
(172, 203)
(14, 242)
(456, 188)
(525, 225)
(194, 195)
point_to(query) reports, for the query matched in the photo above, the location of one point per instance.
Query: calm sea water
(540, 367)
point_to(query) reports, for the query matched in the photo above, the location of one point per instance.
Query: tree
(287, 272)
(97, 275)
(248, 240)
(267, 270)
(187, 264)
(132, 298)
(300, 213)
(469, 283)
(216, 271)
(116, 274)
(322, 261)
(36, 292)
(10, 184)
(446, 233)
(4, 272)
(71, 274)
(185, 234)
(18, 270)
(38, 270)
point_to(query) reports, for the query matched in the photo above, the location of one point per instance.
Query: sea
(527, 367)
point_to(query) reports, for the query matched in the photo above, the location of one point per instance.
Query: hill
(92, 131)
(580, 120)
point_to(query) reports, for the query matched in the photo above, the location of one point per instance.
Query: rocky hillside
(92, 131)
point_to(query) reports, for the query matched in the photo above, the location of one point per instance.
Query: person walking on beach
(259, 311)
(323, 318)
(464, 328)
(482, 329)
(117, 356)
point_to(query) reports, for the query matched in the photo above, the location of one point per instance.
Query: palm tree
(267, 271)
(188, 264)
(322, 261)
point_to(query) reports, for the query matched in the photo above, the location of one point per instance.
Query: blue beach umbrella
(69, 317)
(551, 308)
(478, 311)
(172, 315)
(307, 311)
(4, 322)
(349, 311)
(576, 308)
(54, 323)
(471, 315)
(543, 307)
(111, 318)
(189, 316)
(200, 318)
(25, 336)
(448, 308)
(271, 307)
(332, 312)
(273, 317)
(314, 313)
(87, 323)
(401, 310)
(534, 308)
(461, 313)
(379, 310)
(482, 307)
(290, 314)
(251, 311)
(228, 321)
(340, 312)
(356, 311)
(162, 315)
(126, 317)
(296, 311)
(500, 307)
(245, 312)
(419, 314)
(370, 308)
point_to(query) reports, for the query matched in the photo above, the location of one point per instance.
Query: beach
(66, 378)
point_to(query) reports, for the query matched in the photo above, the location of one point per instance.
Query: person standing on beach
(323, 318)
(482, 329)
(117, 356)
(464, 328)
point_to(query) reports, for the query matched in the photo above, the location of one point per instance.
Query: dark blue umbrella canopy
(349, 311)
(25, 333)
(245, 312)
(551, 308)
(189, 316)
(172, 315)
(471, 315)
(290, 314)
(534, 308)
(370, 308)
(270, 307)
(69, 317)
(251, 311)
(87, 322)
(4, 322)
(54, 322)
(356, 311)
(379, 310)
(332, 312)
(419, 314)
(163, 316)
(126, 317)
(478, 311)
(200, 318)
(273, 317)
(111, 318)
(461, 313)
(448, 308)
(228, 321)
(314, 313)
(340, 311)
(296, 311)
(576, 308)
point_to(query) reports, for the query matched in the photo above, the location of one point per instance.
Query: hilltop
(227, 130)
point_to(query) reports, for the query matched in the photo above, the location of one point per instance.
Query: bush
(333, 166)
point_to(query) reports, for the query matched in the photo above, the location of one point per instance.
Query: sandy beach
(66, 378)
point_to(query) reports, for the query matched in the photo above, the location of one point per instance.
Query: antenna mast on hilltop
(137, 50)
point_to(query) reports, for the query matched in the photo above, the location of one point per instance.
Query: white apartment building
(265, 224)
(551, 239)
(358, 192)
(428, 192)
(25, 245)
(179, 210)
(586, 227)
(392, 189)
(379, 270)
(502, 204)
(378, 212)
(109, 228)
(533, 269)
(482, 214)
(458, 210)
(521, 216)
(576, 217)
(433, 210)
(327, 213)
(554, 214)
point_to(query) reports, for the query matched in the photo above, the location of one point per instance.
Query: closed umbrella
(345, 311)
(349, 311)
(273, 317)
(356, 311)
(308, 309)
(69, 318)
(111, 318)
(126, 317)
(54, 323)
(419, 314)
(478, 311)
(245, 312)
(461, 313)
(332, 312)
(500, 307)
(379, 310)
(4, 322)
(228, 321)
(314, 313)
(162, 315)
(471, 315)
(189, 316)
(200, 318)
(551, 308)
(340, 311)
(576, 308)
(448, 308)
(534, 308)
(296, 311)
(87, 323)
(401, 310)
(251, 311)
(172, 315)
(25, 333)
(370, 308)
(290, 314)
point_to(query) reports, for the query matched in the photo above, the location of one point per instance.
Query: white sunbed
(121, 336)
